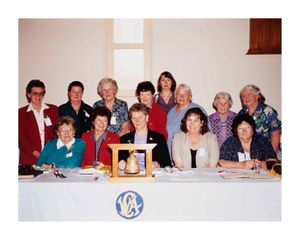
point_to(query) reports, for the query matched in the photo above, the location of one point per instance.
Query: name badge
(86, 114)
(69, 155)
(201, 152)
(113, 120)
(243, 156)
(48, 121)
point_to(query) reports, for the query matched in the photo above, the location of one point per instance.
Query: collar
(258, 108)
(30, 107)
(103, 136)
(60, 144)
(152, 105)
(81, 104)
(216, 115)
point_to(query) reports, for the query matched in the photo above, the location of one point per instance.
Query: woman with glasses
(245, 148)
(64, 152)
(36, 123)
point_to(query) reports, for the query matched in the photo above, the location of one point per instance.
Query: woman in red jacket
(96, 150)
(36, 123)
(157, 116)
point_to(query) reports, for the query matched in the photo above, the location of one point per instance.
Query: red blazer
(104, 154)
(29, 136)
(157, 121)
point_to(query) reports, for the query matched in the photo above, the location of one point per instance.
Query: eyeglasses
(107, 90)
(243, 128)
(66, 130)
(35, 94)
(182, 95)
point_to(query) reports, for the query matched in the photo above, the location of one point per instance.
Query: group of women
(184, 133)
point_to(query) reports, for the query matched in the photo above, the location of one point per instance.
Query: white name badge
(244, 156)
(201, 152)
(48, 121)
(69, 155)
(86, 114)
(113, 120)
(241, 157)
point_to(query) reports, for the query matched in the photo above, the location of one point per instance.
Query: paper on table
(158, 171)
(170, 171)
(181, 171)
(26, 177)
(220, 171)
(90, 171)
(247, 175)
(214, 171)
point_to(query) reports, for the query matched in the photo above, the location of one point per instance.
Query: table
(194, 195)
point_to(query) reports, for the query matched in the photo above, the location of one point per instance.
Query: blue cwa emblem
(129, 204)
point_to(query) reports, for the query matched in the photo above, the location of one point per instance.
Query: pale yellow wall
(209, 55)
(59, 52)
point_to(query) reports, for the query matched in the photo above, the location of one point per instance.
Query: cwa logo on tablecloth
(129, 204)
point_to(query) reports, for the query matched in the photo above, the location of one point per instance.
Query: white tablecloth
(192, 196)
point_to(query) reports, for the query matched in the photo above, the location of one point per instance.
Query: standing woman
(35, 123)
(96, 150)
(222, 119)
(157, 117)
(77, 109)
(183, 96)
(266, 119)
(195, 146)
(107, 90)
(166, 86)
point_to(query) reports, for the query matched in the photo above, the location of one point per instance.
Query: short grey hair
(222, 95)
(186, 88)
(104, 81)
(254, 89)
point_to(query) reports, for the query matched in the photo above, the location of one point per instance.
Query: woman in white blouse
(195, 146)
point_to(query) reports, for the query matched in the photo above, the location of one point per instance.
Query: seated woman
(195, 146)
(96, 150)
(157, 116)
(138, 114)
(245, 148)
(222, 119)
(64, 151)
